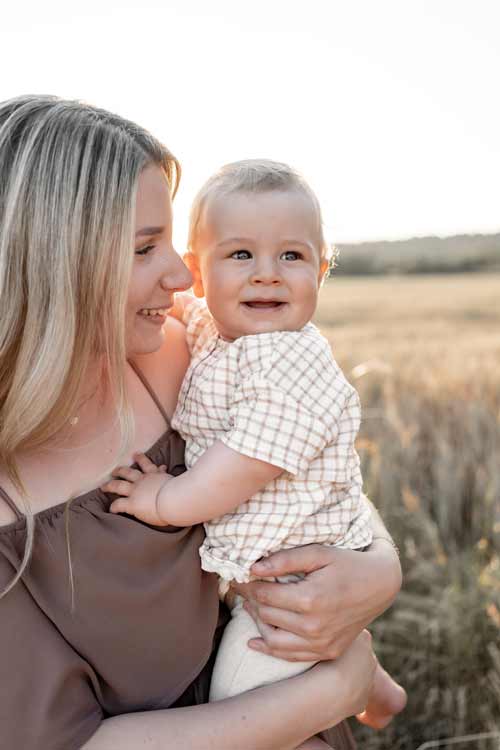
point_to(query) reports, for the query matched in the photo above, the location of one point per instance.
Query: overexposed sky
(389, 107)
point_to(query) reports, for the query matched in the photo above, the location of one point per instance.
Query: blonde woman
(105, 622)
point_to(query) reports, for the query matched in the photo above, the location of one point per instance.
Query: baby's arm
(220, 481)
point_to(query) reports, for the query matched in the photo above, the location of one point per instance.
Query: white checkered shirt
(279, 397)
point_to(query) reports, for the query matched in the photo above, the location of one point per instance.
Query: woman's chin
(145, 341)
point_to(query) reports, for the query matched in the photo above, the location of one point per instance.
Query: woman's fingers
(297, 596)
(281, 644)
(281, 618)
(298, 560)
(324, 643)
(260, 646)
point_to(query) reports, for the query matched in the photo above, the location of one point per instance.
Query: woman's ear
(192, 262)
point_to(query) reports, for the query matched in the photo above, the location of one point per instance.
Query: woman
(106, 622)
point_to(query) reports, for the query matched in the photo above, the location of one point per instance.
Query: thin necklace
(76, 417)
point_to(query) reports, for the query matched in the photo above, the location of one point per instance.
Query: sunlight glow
(390, 109)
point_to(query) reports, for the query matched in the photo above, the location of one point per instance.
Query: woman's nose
(176, 275)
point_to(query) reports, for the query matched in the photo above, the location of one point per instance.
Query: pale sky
(389, 107)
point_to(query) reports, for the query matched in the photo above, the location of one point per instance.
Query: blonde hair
(68, 182)
(254, 176)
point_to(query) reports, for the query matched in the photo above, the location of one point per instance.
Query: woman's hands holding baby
(318, 617)
(313, 619)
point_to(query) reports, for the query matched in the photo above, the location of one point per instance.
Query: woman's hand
(353, 671)
(318, 617)
(281, 715)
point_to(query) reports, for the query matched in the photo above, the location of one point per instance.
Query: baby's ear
(323, 270)
(192, 262)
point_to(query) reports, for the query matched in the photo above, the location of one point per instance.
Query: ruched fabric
(140, 631)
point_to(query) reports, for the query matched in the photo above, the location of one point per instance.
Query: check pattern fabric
(279, 397)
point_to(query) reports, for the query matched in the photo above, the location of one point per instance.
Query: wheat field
(424, 354)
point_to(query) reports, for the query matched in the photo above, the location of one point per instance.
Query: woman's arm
(318, 617)
(275, 717)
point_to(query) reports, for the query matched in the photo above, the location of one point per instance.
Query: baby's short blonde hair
(254, 176)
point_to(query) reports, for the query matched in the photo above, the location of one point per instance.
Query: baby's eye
(291, 255)
(144, 250)
(241, 255)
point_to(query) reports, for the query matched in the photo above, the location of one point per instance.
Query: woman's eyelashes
(145, 250)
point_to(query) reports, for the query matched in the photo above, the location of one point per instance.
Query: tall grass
(428, 372)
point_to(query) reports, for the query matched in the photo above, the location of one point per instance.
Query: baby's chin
(231, 333)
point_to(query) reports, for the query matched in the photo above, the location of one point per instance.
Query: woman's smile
(158, 271)
(155, 315)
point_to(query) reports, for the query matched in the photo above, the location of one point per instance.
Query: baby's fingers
(118, 487)
(126, 472)
(122, 505)
(146, 465)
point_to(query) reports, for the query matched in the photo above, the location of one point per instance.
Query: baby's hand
(139, 490)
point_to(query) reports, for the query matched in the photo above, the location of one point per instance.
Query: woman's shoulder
(165, 368)
(7, 515)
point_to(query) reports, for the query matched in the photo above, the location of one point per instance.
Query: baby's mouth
(261, 304)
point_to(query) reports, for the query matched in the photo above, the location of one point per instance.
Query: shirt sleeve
(291, 403)
(197, 319)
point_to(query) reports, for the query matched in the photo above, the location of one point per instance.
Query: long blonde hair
(68, 181)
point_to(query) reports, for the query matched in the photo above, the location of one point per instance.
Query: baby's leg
(238, 668)
(387, 699)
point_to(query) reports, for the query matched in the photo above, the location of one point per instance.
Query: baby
(268, 418)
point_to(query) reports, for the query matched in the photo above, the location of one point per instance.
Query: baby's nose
(266, 272)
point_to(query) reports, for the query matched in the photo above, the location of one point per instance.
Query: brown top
(142, 626)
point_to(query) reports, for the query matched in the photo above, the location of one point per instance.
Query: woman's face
(158, 271)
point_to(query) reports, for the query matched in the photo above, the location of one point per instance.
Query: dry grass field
(424, 354)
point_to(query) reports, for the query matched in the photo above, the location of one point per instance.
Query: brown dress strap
(10, 502)
(147, 386)
(150, 390)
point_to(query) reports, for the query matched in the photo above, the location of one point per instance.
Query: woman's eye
(291, 255)
(144, 250)
(241, 255)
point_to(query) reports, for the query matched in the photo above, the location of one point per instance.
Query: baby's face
(258, 262)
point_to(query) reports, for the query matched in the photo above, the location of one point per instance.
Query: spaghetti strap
(150, 390)
(10, 502)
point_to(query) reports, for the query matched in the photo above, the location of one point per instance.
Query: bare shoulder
(7, 515)
(166, 367)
